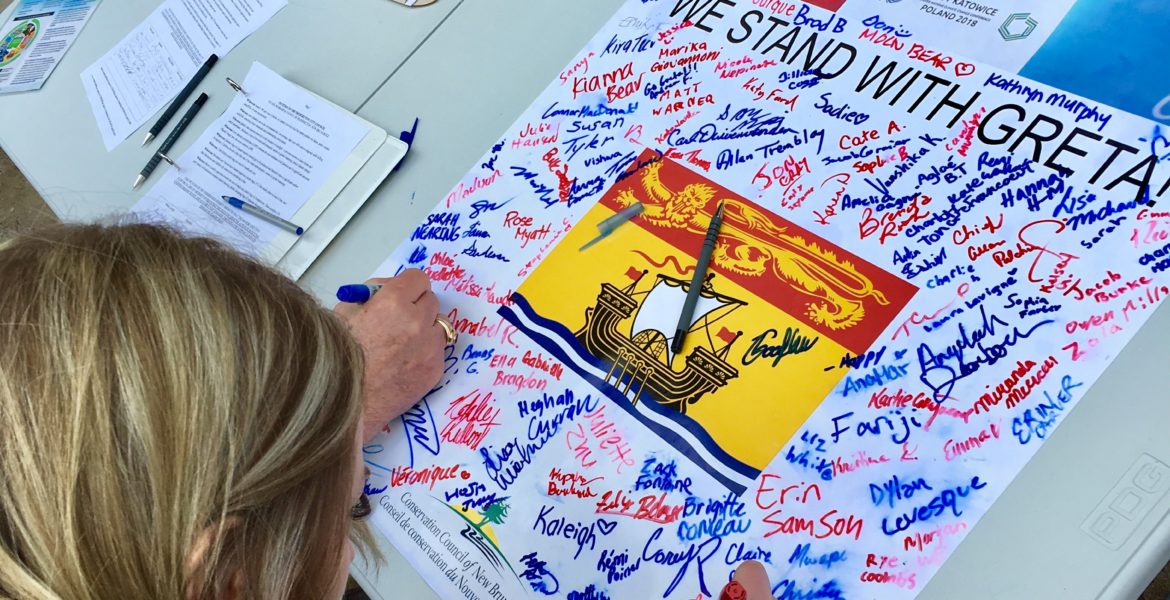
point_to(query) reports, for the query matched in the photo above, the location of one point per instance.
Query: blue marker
(264, 215)
(357, 293)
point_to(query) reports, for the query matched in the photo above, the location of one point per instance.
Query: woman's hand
(402, 343)
(750, 582)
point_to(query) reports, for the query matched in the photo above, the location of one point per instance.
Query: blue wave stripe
(671, 437)
(681, 420)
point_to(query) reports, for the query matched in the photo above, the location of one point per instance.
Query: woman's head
(177, 420)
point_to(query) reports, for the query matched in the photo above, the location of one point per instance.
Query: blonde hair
(155, 389)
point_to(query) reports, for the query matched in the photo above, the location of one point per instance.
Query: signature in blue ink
(420, 428)
(787, 590)
(481, 206)
(589, 593)
(443, 226)
(490, 252)
(720, 517)
(801, 558)
(1159, 144)
(490, 164)
(763, 124)
(626, 167)
(947, 499)
(418, 255)
(661, 477)
(371, 490)
(577, 144)
(581, 191)
(875, 427)
(695, 555)
(544, 193)
(1038, 421)
(940, 375)
(792, 343)
(616, 565)
(505, 464)
(538, 576)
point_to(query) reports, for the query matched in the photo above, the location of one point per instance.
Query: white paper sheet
(273, 147)
(138, 77)
(33, 41)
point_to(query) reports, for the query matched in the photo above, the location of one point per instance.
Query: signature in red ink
(1050, 268)
(565, 187)
(891, 224)
(471, 418)
(567, 483)
(650, 507)
(605, 436)
(917, 318)
(666, 37)
(842, 180)
(961, 143)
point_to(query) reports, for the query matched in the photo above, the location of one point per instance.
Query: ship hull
(639, 374)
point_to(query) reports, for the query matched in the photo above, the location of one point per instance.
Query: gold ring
(448, 329)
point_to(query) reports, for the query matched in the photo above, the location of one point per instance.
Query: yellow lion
(749, 244)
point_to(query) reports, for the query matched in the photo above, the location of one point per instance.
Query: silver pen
(262, 214)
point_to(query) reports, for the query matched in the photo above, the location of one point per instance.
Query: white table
(1029, 545)
(466, 84)
(52, 137)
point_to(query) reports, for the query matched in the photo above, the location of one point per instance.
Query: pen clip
(235, 86)
(168, 160)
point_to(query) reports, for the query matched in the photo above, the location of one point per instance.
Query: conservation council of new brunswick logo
(478, 531)
(461, 544)
(1017, 27)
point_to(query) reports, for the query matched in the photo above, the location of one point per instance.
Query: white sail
(661, 309)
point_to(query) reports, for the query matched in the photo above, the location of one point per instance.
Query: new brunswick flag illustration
(777, 307)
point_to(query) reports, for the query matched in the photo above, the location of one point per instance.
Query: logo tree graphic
(494, 513)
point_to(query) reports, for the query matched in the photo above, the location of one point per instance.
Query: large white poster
(923, 265)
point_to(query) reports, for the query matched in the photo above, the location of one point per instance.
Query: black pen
(170, 141)
(180, 99)
(688, 311)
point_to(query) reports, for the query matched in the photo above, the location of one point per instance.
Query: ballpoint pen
(264, 215)
(700, 275)
(170, 141)
(607, 225)
(180, 99)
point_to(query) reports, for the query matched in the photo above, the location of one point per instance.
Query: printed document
(141, 74)
(33, 41)
(272, 148)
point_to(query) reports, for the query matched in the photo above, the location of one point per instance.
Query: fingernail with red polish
(733, 591)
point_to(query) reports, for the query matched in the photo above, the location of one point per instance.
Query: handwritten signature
(420, 428)
(940, 375)
(538, 576)
(471, 418)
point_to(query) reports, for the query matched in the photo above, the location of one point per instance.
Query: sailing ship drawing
(632, 329)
